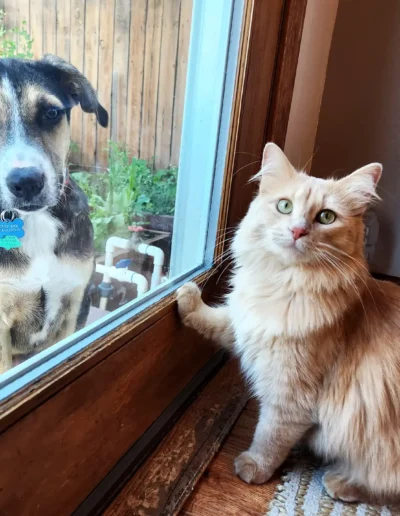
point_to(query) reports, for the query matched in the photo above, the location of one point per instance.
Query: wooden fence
(134, 52)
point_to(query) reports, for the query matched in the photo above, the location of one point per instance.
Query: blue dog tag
(11, 230)
(9, 242)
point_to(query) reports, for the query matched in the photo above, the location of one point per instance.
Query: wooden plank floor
(219, 491)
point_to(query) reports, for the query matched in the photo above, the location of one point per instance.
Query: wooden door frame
(63, 435)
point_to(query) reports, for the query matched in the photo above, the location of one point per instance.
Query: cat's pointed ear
(274, 165)
(359, 188)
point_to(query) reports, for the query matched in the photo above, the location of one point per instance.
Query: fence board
(77, 31)
(151, 78)
(90, 69)
(165, 100)
(37, 27)
(136, 70)
(11, 17)
(104, 83)
(185, 22)
(120, 70)
(63, 48)
(135, 54)
(49, 27)
(23, 16)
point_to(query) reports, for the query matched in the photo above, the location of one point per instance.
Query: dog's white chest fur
(57, 276)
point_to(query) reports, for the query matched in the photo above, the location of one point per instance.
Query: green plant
(130, 189)
(15, 41)
(73, 147)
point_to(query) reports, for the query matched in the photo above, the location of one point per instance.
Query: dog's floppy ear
(79, 87)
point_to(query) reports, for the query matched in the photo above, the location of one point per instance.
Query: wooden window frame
(62, 436)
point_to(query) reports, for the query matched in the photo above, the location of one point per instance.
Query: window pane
(118, 194)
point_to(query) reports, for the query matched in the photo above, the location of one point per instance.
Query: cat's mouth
(295, 245)
(295, 249)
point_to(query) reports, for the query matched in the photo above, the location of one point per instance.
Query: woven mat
(301, 493)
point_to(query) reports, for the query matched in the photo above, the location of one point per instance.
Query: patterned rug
(302, 494)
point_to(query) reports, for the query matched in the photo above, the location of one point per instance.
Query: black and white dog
(44, 282)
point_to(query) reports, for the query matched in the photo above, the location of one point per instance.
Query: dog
(44, 283)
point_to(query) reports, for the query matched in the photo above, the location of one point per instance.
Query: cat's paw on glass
(189, 299)
(250, 468)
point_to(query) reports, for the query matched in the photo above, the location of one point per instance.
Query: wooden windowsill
(166, 480)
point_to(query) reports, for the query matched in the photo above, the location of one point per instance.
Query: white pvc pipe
(109, 271)
(103, 303)
(158, 261)
(112, 244)
(125, 276)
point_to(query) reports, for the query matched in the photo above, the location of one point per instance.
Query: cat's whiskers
(347, 255)
(355, 272)
(245, 166)
(227, 256)
(362, 265)
(331, 259)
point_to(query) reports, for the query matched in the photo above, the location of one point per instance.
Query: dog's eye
(53, 113)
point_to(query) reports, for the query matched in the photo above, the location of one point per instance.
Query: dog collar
(11, 226)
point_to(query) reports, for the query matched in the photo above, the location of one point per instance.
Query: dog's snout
(25, 183)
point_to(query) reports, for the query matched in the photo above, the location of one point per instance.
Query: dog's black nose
(25, 183)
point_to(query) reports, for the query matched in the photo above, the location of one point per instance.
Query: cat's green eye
(285, 206)
(326, 217)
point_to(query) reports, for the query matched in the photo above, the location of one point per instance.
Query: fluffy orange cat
(318, 338)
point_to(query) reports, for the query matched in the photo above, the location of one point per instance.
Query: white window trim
(204, 99)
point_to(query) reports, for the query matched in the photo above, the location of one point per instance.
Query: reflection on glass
(118, 178)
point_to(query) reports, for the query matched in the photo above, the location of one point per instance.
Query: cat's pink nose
(299, 232)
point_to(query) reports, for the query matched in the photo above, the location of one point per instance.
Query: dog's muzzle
(25, 183)
(27, 178)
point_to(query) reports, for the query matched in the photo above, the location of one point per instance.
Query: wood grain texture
(185, 24)
(31, 396)
(309, 86)
(287, 59)
(36, 21)
(165, 102)
(264, 36)
(220, 491)
(75, 438)
(90, 70)
(49, 26)
(136, 69)
(77, 59)
(104, 83)
(272, 62)
(151, 78)
(169, 475)
(122, 18)
(106, 40)
(11, 20)
(63, 36)
(23, 15)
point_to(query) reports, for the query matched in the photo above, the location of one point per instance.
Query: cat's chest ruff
(267, 316)
(271, 340)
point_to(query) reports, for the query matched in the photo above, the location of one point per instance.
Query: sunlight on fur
(318, 338)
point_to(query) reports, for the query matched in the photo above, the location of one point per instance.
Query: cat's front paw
(189, 299)
(339, 488)
(250, 468)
